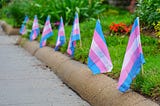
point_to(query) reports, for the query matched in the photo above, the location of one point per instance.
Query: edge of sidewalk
(79, 78)
(9, 30)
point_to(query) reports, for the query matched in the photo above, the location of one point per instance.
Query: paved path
(25, 81)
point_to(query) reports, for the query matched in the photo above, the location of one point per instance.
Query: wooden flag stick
(142, 70)
(80, 43)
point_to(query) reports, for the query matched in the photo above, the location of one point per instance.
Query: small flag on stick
(22, 30)
(99, 59)
(75, 35)
(47, 32)
(133, 59)
(35, 29)
(61, 35)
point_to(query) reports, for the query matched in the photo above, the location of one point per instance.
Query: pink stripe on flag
(46, 32)
(34, 35)
(101, 44)
(74, 43)
(128, 67)
(35, 20)
(61, 33)
(76, 21)
(58, 42)
(132, 60)
(24, 30)
(102, 57)
(98, 62)
(68, 49)
(44, 43)
(130, 52)
(47, 23)
(36, 27)
(76, 31)
(133, 35)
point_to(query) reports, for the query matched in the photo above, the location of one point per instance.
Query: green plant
(56, 8)
(4, 3)
(120, 28)
(16, 10)
(147, 11)
(157, 29)
(157, 26)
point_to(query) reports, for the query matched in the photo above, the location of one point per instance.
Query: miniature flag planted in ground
(35, 29)
(61, 35)
(99, 59)
(133, 59)
(22, 30)
(47, 32)
(75, 35)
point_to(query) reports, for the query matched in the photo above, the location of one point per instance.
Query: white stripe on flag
(130, 52)
(101, 56)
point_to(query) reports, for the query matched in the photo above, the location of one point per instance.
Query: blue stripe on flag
(62, 40)
(135, 25)
(99, 30)
(21, 29)
(93, 66)
(31, 34)
(45, 38)
(75, 37)
(72, 48)
(132, 74)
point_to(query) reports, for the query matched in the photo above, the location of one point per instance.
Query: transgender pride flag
(99, 59)
(35, 29)
(133, 59)
(47, 32)
(61, 35)
(22, 30)
(75, 35)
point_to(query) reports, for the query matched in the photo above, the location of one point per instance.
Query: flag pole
(80, 43)
(80, 40)
(142, 70)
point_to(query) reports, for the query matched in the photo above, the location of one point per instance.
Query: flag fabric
(47, 32)
(35, 29)
(99, 60)
(61, 35)
(22, 30)
(133, 59)
(75, 35)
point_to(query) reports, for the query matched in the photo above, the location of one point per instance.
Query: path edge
(8, 29)
(80, 79)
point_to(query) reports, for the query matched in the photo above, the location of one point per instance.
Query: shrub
(147, 11)
(157, 26)
(56, 8)
(157, 29)
(67, 9)
(16, 10)
(4, 3)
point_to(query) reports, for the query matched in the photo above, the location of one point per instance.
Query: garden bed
(147, 83)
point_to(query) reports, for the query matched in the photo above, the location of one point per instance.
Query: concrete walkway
(25, 81)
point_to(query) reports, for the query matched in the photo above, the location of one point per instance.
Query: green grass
(147, 83)
(9, 21)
